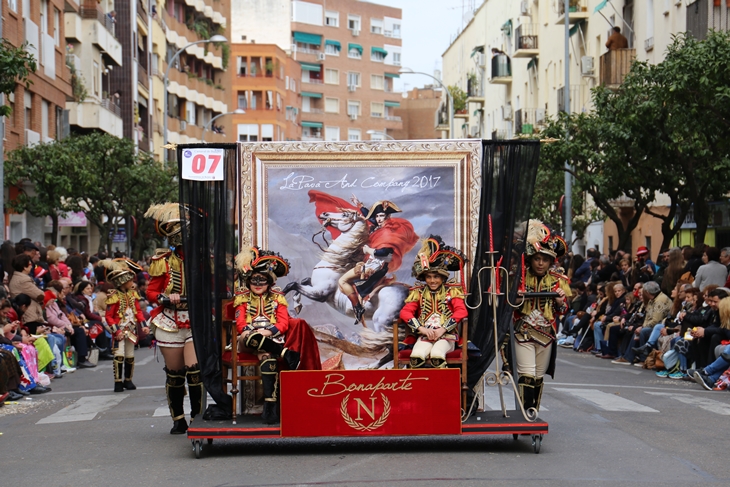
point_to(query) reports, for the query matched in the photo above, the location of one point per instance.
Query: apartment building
(37, 111)
(198, 85)
(420, 112)
(510, 60)
(349, 53)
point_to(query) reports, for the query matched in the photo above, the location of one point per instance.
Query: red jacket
(160, 276)
(273, 305)
(116, 306)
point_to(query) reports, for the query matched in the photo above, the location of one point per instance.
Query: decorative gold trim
(464, 155)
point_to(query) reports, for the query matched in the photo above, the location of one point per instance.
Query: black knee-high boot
(259, 342)
(269, 380)
(526, 384)
(175, 389)
(538, 392)
(129, 373)
(195, 389)
(118, 378)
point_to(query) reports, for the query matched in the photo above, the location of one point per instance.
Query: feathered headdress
(254, 259)
(119, 271)
(541, 240)
(168, 221)
(435, 256)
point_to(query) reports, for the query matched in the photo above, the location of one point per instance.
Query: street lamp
(375, 132)
(237, 111)
(448, 94)
(215, 38)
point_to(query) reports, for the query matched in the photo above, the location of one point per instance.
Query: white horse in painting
(340, 256)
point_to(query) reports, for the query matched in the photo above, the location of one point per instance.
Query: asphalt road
(610, 425)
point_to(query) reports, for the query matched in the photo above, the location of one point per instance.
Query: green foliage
(225, 54)
(459, 97)
(664, 130)
(16, 65)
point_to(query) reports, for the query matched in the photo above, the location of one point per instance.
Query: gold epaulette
(456, 291)
(158, 266)
(241, 298)
(112, 297)
(279, 298)
(136, 295)
(559, 275)
(414, 294)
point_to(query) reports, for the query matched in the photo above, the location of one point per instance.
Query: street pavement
(610, 425)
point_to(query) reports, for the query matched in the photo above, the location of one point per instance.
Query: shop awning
(351, 46)
(311, 95)
(394, 104)
(532, 63)
(380, 50)
(576, 27)
(600, 6)
(476, 50)
(392, 75)
(330, 42)
(306, 38)
(313, 125)
(507, 28)
(311, 67)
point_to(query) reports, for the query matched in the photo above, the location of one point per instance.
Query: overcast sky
(428, 26)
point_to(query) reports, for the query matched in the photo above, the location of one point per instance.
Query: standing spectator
(617, 40)
(625, 274)
(725, 257)
(583, 273)
(63, 255)
(712, 272)
(695, 259)
(644, 268)
(606, 269)
(675, 269)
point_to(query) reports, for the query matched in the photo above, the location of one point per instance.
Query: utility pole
(568, 201)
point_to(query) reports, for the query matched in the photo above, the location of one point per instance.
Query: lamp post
(375, 132)
(237, 111)
(215, 38)
(448, 94)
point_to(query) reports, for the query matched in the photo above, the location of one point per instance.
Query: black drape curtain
(509, 169)
(209, 245)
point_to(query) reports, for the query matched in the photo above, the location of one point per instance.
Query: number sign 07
(203, 164)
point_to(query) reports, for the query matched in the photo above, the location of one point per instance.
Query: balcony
(100, 31)
(501, 70)
(615, 65)
(310, 138)
(95, 13)
(104, 116)
(393, 118)
(313, 110)
(577, 97)
(528, 120)
(313, 81)
(526, 41)
(142, 76)
(577, 11)
(474, 90)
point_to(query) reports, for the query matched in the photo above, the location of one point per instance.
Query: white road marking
(110, 364)
(701, 402)
(606, 401)
(85, 409)
(630, 370)
(491, 399)
(164, 411)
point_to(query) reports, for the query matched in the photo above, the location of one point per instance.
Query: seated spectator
(712, 272)
(657, 308)
(708, 376)
(712, 332)
(614, 311)
(644, 268)
(625, 274)
(674, 270)
(82, 294)
(22, 283)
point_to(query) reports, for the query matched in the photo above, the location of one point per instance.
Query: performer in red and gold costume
(122, 316)
(170, 321)
(262, 320)
(536, 319)
(433, 311)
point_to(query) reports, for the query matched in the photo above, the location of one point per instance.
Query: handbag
(93, 357)
(654, 361)
(70, 357)
(671, 360)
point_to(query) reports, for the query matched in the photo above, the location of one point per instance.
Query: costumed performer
(170, 321)
(434, 310)
(536, 319)
(123, 313)
(262, 320)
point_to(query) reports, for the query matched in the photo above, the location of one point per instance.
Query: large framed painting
(327, 206)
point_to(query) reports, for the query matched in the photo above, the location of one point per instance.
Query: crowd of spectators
(52, 308)
(671, 316)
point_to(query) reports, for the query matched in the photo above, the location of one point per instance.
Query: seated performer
(262, 320)
(535, 321)
(122, 315)
(432, 311)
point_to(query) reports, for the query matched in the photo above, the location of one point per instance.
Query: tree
(549, 190)
(46, 176)
(16, 65)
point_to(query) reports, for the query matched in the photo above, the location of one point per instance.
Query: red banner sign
(370, 402)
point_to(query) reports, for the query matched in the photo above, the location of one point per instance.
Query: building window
(353, 134)
(377, 110)
(377, 56)
(353, 108)
(242, 64)
(396, 59)
(57, 26)
(353, 79)
(396, 30)
(96, 78)
(353, 22)
(332, 49)
(376, 26)
(647, 243)
(331, 19)
(377, 81)
(248, 132)
(332, 133)
(242, 100)
(332, 76)
(13, 5)
(28, 103)
(267, 132)
(354, 52)
(332, 105)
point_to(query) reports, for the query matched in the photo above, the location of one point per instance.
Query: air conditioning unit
(524, 7)
(294, 47)
(586, 66)
(321, 56)
(351, 88)
(475, 130)
(540, 116)
(355, 32)
(353, 116)
(507, 111)
(480, 58)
